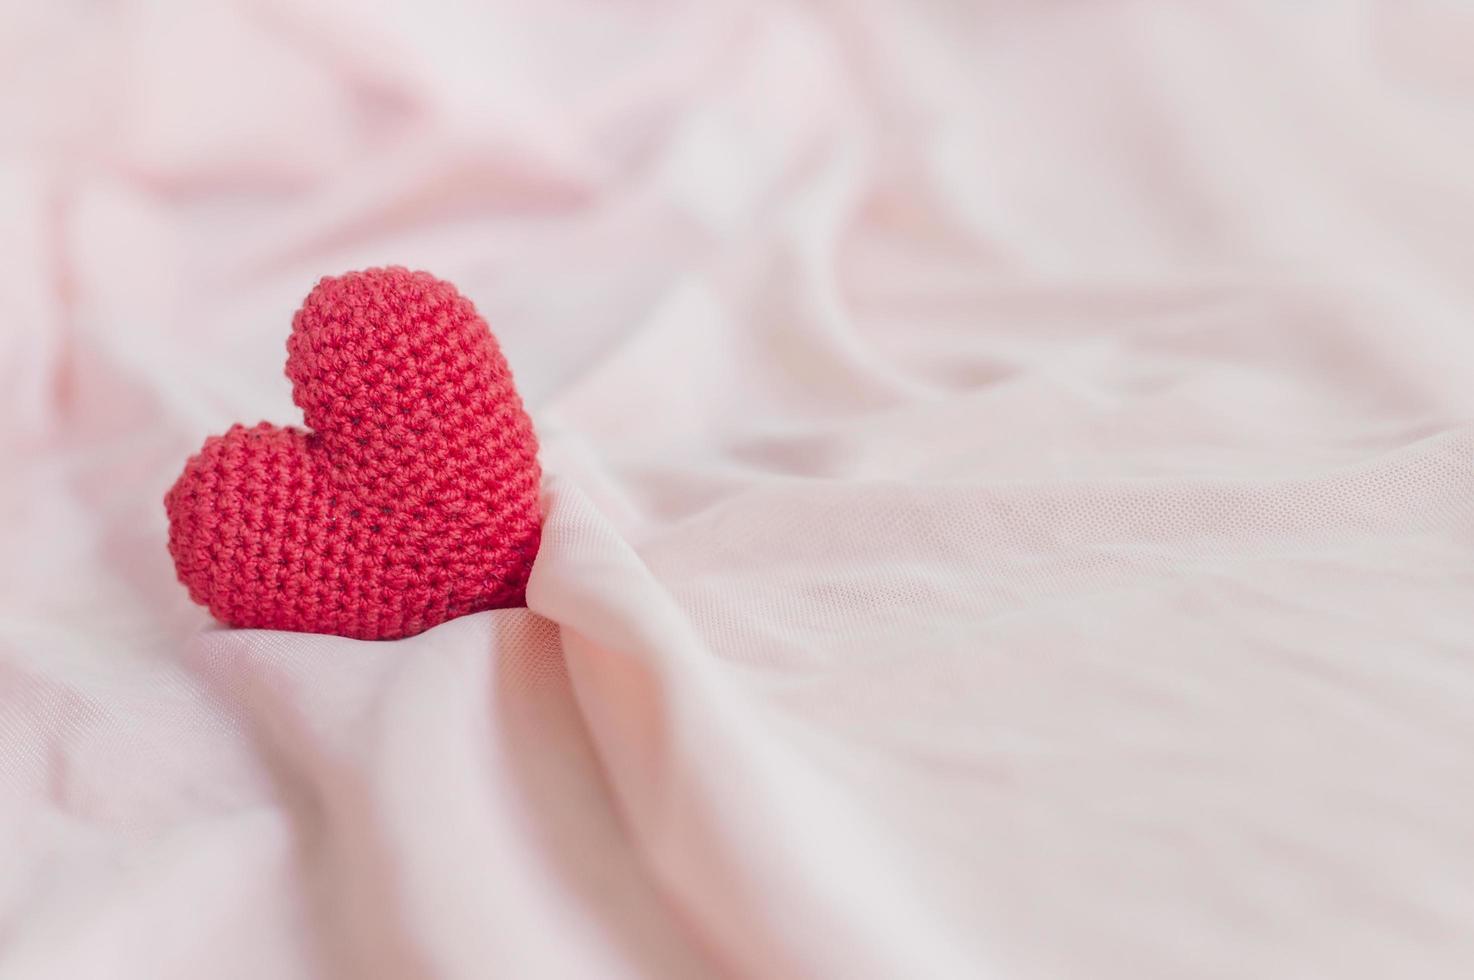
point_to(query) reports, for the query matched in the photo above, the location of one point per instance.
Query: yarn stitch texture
(411, 498)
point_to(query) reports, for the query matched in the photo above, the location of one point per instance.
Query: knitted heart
(412, 500)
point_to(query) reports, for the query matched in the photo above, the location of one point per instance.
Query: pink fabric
(1009, 478)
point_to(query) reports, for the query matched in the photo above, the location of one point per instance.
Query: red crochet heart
(412, 500)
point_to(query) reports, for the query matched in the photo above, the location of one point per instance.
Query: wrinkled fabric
(1009, 505)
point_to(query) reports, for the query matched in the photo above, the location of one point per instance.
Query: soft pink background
(1010, 501)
